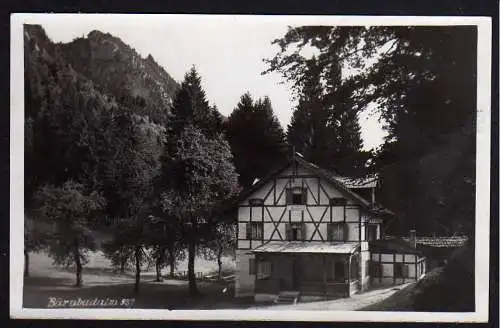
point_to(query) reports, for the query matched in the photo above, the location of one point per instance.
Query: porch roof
(307, 247)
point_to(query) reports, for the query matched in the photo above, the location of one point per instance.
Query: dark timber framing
(275, 194)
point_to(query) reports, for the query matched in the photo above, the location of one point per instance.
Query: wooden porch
(324, 275)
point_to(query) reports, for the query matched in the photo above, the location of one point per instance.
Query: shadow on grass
(38, 291)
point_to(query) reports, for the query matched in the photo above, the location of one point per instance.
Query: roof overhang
(308, 247)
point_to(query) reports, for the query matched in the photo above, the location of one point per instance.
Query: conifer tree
(324, 127)
(191, 107)
(256, 138)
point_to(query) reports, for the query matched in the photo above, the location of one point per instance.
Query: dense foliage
(113, 143)
(422, 80)
(70, 211)
(256, 139)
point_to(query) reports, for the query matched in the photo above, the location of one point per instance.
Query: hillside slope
(113, 68)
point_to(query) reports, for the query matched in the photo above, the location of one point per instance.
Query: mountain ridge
(115, 69)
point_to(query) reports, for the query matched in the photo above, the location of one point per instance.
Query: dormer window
(296, 196)
(338, 201)
(256, 202)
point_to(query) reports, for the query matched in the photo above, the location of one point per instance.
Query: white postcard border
(482, 177)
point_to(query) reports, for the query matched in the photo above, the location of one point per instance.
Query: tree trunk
(219, 262)
(137, 267)
(78, 262)
(193, 289)
(122, 265)
(159, 264)
(26, 263)
(171, 258)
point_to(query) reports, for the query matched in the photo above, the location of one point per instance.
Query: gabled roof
(307, 247)
(334, 178)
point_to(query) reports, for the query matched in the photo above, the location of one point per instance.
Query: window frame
(262, 274)
(293, 192)
(300, 227)
(331, 230)
(250, 231)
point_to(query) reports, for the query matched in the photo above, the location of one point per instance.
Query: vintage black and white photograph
(305, 166)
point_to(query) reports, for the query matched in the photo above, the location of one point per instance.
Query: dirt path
(352, 303)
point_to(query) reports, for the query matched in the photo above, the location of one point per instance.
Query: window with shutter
(288, 196)
(256, 231)
(251, 266)
(248, 231)
(288, 231)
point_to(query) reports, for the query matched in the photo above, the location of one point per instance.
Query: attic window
(296, 196)
(338, 201)
(256, 202)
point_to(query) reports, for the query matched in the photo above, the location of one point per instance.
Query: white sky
(226, 50)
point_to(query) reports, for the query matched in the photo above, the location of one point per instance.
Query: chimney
(413, 238)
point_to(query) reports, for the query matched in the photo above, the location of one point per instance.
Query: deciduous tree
(70, 209)
(423, 82)
(202, 176)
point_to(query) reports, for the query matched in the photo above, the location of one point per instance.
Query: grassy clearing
(101, 281)
(166, 295)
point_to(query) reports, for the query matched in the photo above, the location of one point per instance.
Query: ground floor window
(263, 269)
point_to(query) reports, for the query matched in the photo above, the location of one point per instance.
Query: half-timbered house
(306, 231)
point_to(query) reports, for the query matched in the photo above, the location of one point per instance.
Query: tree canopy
(422, 79)
(256, 138)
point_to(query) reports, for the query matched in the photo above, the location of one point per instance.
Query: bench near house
(314, 234)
